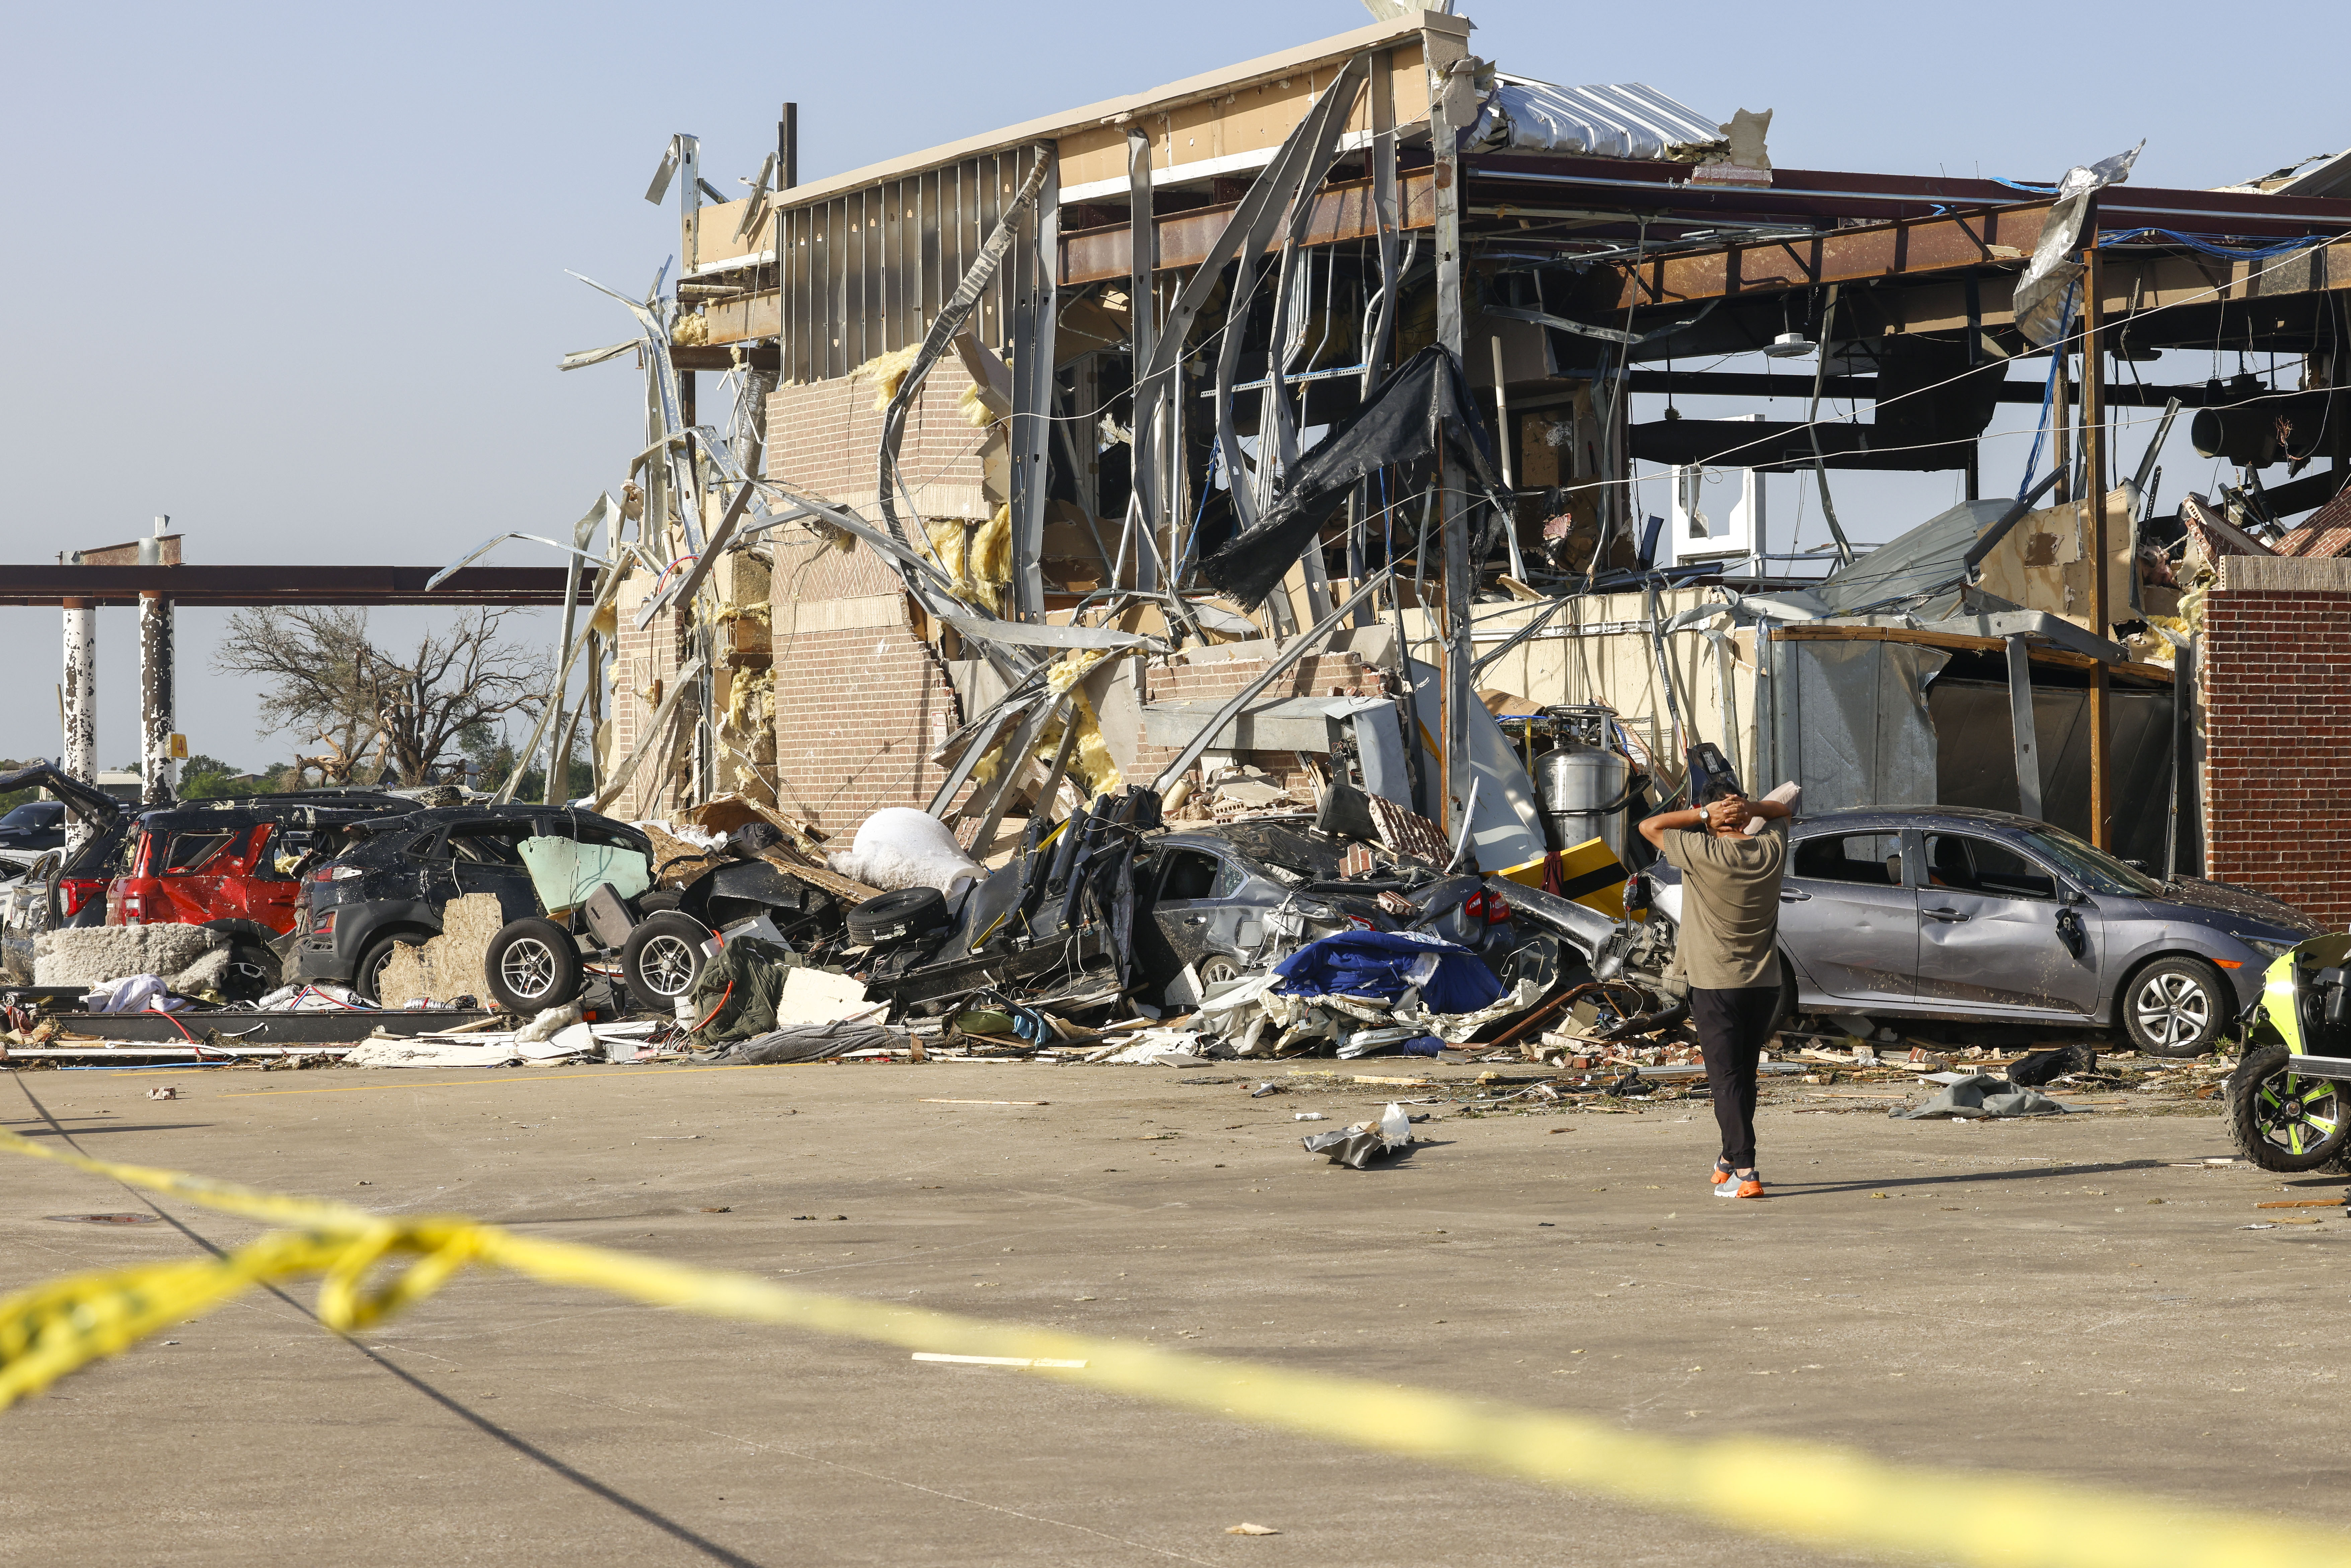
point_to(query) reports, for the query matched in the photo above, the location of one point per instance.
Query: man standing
(1729, 950)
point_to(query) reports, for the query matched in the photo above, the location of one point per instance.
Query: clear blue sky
(294, 274)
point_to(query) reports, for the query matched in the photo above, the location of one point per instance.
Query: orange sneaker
(1722, 1175)
(1749, 1185)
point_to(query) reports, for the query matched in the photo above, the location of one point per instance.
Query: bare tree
(321, 676)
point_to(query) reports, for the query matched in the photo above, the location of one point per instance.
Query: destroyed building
(1283, 418)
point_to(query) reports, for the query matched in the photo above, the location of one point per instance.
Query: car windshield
(33, 814)
(2096, 870)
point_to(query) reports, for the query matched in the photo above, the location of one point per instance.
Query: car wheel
(532, 965)
(1216, 968)
(366, 975)
(2281, 1121)
(2177, 1006)
(662, 957)
(253, 972)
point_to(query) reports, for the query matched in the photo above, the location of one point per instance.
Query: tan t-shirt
(1731, 905)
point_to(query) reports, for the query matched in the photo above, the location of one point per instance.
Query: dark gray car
(1948, 913)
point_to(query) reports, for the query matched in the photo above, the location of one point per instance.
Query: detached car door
(1849, 919)
(1988, 931)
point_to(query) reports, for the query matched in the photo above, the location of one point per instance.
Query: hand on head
(1729, 815)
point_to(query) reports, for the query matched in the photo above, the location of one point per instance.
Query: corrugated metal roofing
(1622, 120)
(1923, 571)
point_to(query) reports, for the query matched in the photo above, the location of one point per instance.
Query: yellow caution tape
(1807, 1492)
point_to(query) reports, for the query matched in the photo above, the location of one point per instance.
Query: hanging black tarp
(1424, 401)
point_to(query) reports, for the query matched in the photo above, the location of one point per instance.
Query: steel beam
(242, 586)
(2022, 727)
(1863, 389)
(1907, 245)
(1347, 211)
(2094, 498)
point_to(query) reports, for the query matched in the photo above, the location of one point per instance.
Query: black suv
(388, 884)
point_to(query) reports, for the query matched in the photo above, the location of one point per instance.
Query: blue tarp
(1385, 964)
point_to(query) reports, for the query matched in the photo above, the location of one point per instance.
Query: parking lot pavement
(2061, 1297)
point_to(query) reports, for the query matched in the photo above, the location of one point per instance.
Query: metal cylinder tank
(1574, 782)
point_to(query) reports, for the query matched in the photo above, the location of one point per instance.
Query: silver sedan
(1948, 913)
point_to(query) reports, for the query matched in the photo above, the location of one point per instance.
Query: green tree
(205, 778)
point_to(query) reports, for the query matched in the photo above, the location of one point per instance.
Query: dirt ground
(2072, 1298)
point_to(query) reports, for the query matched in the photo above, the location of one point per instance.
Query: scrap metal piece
(1423, 406)
(1026, 635)
(1300, 166)
(672, 156)
(1274, 670)
(2039, 297)
(660, 721)
(486, 546)
(580, 359)
(2021, 728)
(1251, 224)
(943, 327)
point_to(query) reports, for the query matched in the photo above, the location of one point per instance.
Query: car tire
(2281, 1121)
(2176, 1008)
(663, 958)
(897, 916)
(1216, 968)
(366, 975)
(254, 971)
(532, 965)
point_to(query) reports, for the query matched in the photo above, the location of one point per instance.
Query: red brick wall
(826, 436)
(641, 658)
(2275, 665)
(859, 701)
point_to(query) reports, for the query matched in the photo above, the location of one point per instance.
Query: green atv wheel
(2281, 1121)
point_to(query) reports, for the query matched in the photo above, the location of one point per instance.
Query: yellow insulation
(973, 408)
(746, 700)
(889, 369)
(1089, 760)
(991, 554)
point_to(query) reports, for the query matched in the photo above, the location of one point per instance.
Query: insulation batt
(899, 847)
(889, 368)
(190, 958)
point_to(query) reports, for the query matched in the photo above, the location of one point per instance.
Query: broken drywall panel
(2043, 563)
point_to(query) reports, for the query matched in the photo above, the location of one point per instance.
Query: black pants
(1732, 1029)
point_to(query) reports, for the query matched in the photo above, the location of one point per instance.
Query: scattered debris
(1359, 1145)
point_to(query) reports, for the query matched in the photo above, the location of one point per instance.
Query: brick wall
(644, 662)
(825, 436)
(860, 700)
(2275, 662)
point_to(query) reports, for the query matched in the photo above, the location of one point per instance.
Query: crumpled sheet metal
(1609, 119)
(1981, 1097)
(2040, 297)
(810, 1042)
(1423, 404)
(1357, 1146)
